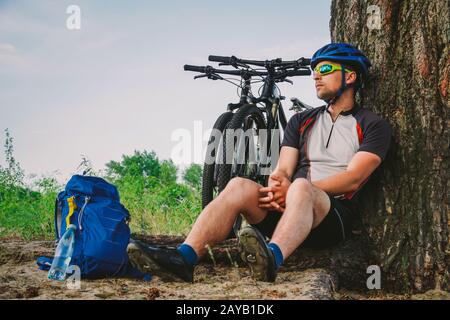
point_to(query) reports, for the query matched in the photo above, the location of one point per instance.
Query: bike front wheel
(244, 146)
(211, 165)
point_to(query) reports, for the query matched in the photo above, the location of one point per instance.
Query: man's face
(328, 85)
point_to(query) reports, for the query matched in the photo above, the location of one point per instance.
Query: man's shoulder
(304, 115)
(367, 118)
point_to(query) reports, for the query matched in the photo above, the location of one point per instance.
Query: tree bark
(405, 210)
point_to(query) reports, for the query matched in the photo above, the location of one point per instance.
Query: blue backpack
(102, 235)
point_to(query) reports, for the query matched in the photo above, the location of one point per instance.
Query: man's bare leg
(212, 226)
(217, 218)
(306, 207)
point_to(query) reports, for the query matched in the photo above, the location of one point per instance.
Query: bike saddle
(301, 104)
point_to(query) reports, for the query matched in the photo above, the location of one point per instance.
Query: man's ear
(350, 77)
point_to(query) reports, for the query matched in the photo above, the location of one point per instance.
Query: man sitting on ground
(327, 155)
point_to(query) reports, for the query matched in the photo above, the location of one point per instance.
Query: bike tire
(238, 122)
(210, 170)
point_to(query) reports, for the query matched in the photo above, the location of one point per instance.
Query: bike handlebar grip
(219, 59)
(188, 67)
(302, 72)
(306, 61)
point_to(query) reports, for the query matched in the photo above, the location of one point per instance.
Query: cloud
(7, 49)
(9, 57)
(288, 50)
(11, 61)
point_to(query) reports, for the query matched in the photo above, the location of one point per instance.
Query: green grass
(164, 209)
(148, 188)
(170, 210)
(25, 213)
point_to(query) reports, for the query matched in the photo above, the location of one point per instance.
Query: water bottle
(63, 255)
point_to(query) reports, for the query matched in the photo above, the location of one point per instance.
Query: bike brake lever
(234, 64)
(200, 76)
(213, 76)
(289, 81)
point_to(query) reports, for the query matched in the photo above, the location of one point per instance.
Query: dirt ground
(220, 276)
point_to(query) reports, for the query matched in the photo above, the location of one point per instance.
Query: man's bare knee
(237, 184)
(305, 190)
(241, 186)
(300, 187)
(245, 194)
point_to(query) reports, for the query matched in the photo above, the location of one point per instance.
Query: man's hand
(274, 195)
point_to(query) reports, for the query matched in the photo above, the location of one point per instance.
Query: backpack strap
(58, 217)
(80, 214)
(72, 208)
(44, 263)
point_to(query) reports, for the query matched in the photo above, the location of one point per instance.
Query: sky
(117, 84)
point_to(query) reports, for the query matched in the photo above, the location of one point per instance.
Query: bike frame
(270, 98)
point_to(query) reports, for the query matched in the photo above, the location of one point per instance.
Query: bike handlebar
(302, 62)
(301, 72)
(210, 70)
(188, 67)
(280, 74)
(219, 59)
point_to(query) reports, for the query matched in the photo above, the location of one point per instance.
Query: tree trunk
(406, 210)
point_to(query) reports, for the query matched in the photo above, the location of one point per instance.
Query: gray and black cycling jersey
(327, 147)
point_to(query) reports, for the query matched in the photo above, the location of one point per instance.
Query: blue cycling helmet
(346, 55)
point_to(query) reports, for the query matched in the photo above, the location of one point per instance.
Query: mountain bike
(230, 154)
(214, 150)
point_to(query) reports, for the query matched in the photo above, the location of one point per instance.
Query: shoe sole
(255, 253)
(145, 264)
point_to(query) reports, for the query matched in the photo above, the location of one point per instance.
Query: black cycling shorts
(334, 228)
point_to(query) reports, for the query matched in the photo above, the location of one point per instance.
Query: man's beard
(326, 94)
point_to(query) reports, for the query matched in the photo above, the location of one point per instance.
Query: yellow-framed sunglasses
(328, 68)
